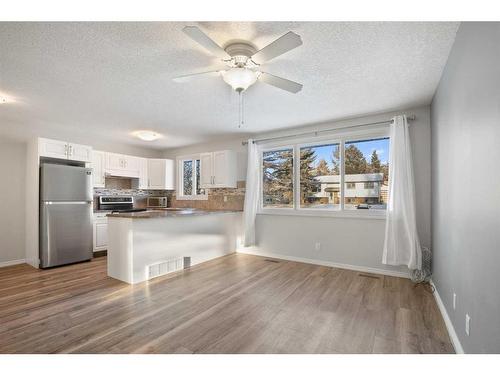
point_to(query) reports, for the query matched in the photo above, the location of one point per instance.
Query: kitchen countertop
(159, 213)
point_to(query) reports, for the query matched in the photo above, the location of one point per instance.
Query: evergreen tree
(307, 172)
(278, 175)
(336, 161)
(375, 165)
(355, 162)
(322, 168)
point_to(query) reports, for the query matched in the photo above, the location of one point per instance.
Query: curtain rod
(315, 133)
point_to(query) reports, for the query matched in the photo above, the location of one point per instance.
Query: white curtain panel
(251, 193)
(401, 246)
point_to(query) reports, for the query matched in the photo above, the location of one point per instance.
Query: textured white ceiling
(106, 80)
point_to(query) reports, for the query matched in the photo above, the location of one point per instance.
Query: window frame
(340, 137)
(180, 178)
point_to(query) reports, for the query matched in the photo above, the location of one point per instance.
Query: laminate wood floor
(235, 304)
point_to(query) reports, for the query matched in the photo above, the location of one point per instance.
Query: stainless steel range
(118, 204)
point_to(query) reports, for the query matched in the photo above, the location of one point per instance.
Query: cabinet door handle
(65, 150)
(70, 150)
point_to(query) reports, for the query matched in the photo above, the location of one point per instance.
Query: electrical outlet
(454, 301)
(225, 198)
(467, 324)
(318, 246)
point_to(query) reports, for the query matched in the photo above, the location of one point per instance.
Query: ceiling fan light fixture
(239, 78)
(147, 135)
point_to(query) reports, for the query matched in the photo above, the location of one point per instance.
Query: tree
(375, 165)
(322, 168)
(336, 161)
(355, 162)
(307, 172)
(278, 175)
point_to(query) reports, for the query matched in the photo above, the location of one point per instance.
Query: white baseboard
(449, 325)
(255, 251)
(12, 262)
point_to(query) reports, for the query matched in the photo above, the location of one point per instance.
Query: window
(189, 179)
(320, 176)
(334, 175)
(366, 165)
(278, 176)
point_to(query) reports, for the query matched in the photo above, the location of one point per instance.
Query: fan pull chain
(241, 121)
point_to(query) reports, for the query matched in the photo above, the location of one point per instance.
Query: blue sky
(366, 147)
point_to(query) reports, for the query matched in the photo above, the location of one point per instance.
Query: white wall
(12, 167)
(466, 185)
(355, 242)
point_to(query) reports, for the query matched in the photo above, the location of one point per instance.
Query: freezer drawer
(66, 233)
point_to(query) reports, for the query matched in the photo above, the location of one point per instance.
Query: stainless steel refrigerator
(65, 214)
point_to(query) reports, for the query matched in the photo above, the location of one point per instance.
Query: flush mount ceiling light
(242, 62)
(147, 135)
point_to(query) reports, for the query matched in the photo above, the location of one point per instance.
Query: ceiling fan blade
(281, 83)
(280, 46)
(189, 77)
(205, 41)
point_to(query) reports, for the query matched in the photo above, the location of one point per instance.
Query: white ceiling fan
(243, 62)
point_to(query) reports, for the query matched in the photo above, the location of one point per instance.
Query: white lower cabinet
(100, 231)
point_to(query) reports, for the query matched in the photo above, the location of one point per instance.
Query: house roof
(364, 177)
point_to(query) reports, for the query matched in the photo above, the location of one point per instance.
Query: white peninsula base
(141, 247)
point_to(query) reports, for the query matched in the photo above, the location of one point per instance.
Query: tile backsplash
(123, 186)
(218, 199)
(235, 199)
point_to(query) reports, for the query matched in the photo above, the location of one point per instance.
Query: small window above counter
(207, 170)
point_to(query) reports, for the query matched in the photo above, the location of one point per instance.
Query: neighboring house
(365, 188)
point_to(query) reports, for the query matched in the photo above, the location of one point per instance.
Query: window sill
(318, 213)
(192, 198)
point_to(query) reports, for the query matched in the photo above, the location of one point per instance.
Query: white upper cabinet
(143, 173)
(51, 148)
(218, 169)
(79, 152)
(98, 164)
(122, 165)
(206, 176)
(161, 174)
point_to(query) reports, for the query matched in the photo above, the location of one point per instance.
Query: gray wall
(340, 238)
(466, 185)
(349, 241)
(12, 167)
